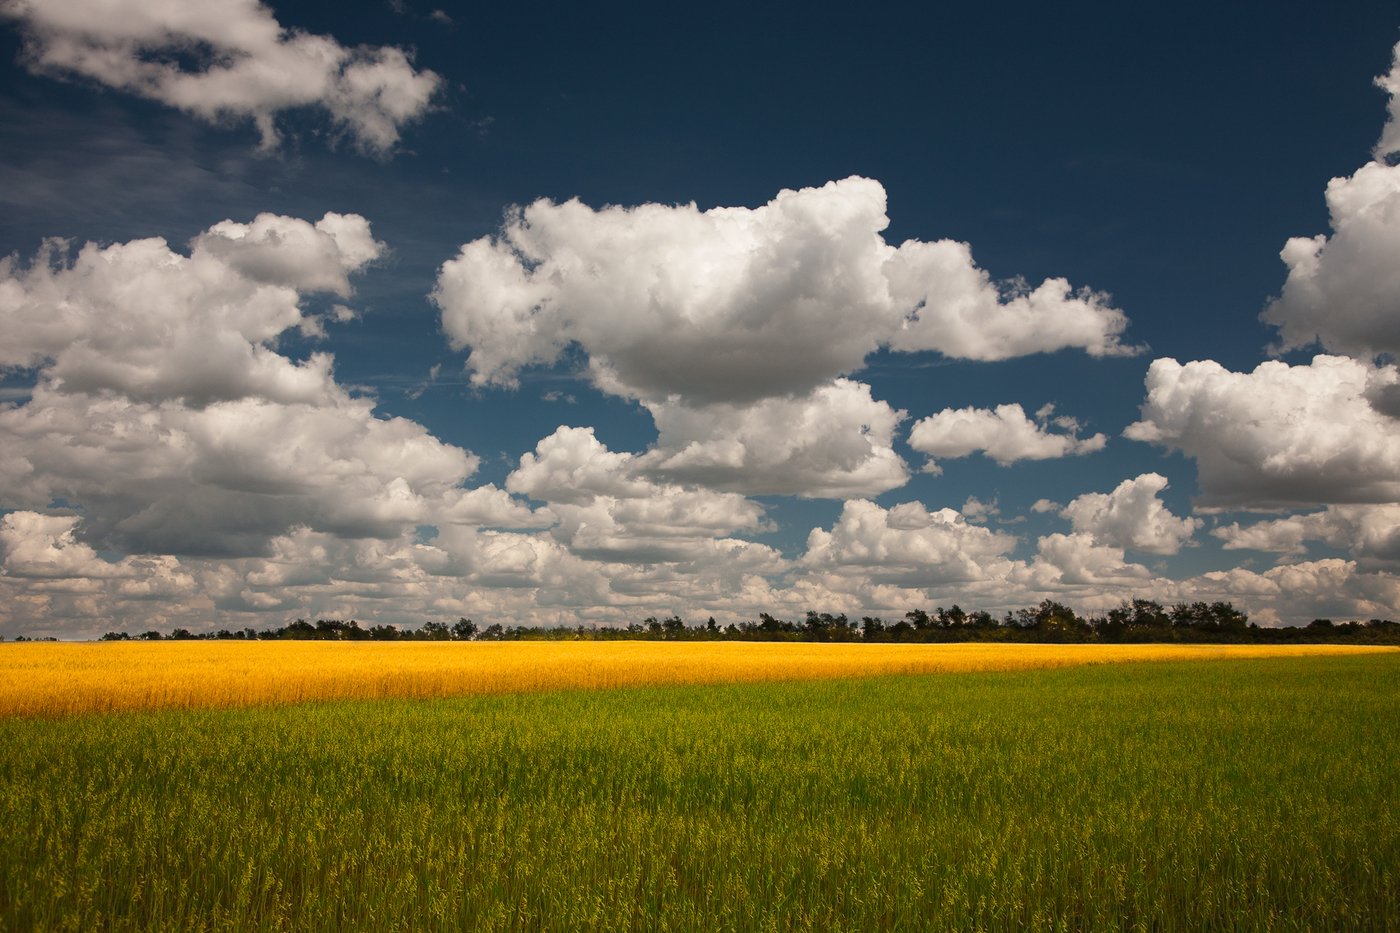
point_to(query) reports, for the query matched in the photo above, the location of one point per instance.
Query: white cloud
(835, 442)
(907, 545)
(43, 546)
(41, 558)
(141, 319)
(166, 478)
(960, 312)
(736, 304)
(163, 411)
(608, 509)
(1132, 516)
(1296, 593)
(1004, 434)
(1390, 83)
(490, 507)
(1279, 436)
(572, 466)
(1080, 560)
(238, 62)
(978, 512)
(1371, 533)
(1343, 292)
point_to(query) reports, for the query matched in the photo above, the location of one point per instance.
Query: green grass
(1215, 795)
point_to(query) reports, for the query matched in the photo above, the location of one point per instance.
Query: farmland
(47, 679)
(1259, 793)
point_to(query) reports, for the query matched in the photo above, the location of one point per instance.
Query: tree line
(1139, 620)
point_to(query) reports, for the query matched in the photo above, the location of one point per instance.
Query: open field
(47, 679)
(1260, 794)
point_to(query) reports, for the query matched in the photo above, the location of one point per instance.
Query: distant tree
(1052, 619)
(951, 618)
(981, 620)
(464, 630)
(1226, 618)
(298, 629)
(434, 631)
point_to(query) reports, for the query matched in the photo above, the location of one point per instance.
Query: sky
(536, 314)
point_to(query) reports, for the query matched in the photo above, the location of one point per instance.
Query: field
(48, 679)
(1240, 794)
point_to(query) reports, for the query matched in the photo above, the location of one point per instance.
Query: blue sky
(397, 311)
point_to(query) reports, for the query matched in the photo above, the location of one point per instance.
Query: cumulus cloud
(959, 311)
(43, 546)
(835, 442)
(1132, 516)
(1390, 83)
(608, 509)
(1296, 593)
(907, 545)
(736, 304)
(978, 512)
(223, 479)
(163, 410)
(571, 466)
(42, 560)
(1278, 436)
(1371, 533)
(1081, 559)
(1343, 291)
(1005, 434)
(228, 60)
(144, 320)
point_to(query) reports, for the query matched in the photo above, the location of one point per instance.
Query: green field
(1214, 795)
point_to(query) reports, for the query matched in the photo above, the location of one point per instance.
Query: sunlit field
(1235, 794)
(45, 679)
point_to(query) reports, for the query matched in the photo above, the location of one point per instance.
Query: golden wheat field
(46, 679)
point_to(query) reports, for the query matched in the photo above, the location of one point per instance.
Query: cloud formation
(1371, 533)
(737, 304)
(1343, 291)
(1004, 434)
(835, 442)
(224, 478)
(226, 60)
(1132, 516)
(607, 509)
(163, 410)
(906, 545)
(144, 321)
(1278, 436)
(1389, 82)
(1081, 560)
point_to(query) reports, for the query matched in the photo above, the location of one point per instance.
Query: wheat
(47, 679)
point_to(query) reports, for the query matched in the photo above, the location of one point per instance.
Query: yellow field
(46, 679)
